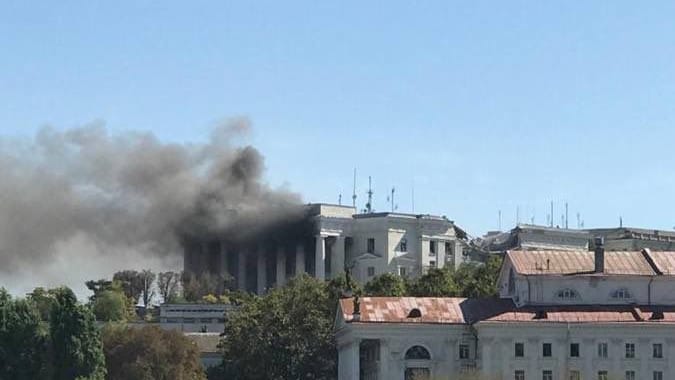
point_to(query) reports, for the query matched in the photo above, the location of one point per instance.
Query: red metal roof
(469, 311)
(397, 309)
(540, 262)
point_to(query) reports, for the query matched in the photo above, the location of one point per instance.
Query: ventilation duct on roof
(599, 255)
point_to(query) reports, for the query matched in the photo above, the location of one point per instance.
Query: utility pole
(354, 191)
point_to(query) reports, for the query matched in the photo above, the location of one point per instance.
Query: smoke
(82, 203)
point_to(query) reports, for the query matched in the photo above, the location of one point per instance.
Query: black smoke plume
(81, 203)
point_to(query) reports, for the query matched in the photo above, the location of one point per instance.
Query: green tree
(386, 285)
(75, 341)
(111, 305)
(44, 301)
(97, 286)
(22, 340)
(150, 353)
(478, 280)
(195, 287)
(435, 283)
(287, 334)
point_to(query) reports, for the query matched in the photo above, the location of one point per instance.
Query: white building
(561, 315)
(368, 244)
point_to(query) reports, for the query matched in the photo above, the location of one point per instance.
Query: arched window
(568, 294)
(417, 353)
(622, 294)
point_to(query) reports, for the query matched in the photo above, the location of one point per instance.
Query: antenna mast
(369, 205)
(354, 191)
(567, 216)
(551, 214)
(393, 189)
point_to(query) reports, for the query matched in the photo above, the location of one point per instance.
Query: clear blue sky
(482, 105)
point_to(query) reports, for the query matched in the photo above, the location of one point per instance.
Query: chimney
(599, 255)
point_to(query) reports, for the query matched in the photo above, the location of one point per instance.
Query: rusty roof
(468, 311)
(664, 261)
(549, 262)
(397, 309)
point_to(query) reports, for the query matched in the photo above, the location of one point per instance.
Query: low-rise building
(574, 314)
(193, 317)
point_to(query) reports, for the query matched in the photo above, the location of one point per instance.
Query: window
(567, 294)
(519, 375)
(574, 350)
(432, 247)
(602, 350)
(630, 350)
(657, 350)
(463, 351)
(403, 245)
(658, 375)
(630, 375)
(602, 375)
(547, 375)
(371, 245)
(575, 375)
(448, 248)
(512, 281)
(621, 294)
(432, 263)
(401, 271)
(547, 350)
(417, 353)
(520, 350)
(371, 271)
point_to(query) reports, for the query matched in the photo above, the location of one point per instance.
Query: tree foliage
(111, 305)
(435, 283)
(132, 283)
(150, 353)
(168, 286)
(23, 340)
(75, 340)
(386, 285)
(195, 287)
(286, 334)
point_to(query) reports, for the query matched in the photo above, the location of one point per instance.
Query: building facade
(560, 315)
(367, 244)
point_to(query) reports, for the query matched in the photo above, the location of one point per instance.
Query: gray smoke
(82, 203)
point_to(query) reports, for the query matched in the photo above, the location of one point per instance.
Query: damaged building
(328, 239)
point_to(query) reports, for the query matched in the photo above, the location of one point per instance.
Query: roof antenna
(393, 206)
(552, 214)
(567, 216)
(413, 197)
(340, 199)
(500, 220)
(620, 222)
(354, 192)
(369, 205)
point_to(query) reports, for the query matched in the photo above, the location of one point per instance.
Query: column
(224, 269)
(348, 361)
(440, 254)
(320, 258)
(385, 358)
(337, 265)
(241, 270)
(299, 259)
(281, 267)
(262, 271)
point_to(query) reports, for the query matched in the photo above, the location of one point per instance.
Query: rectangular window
(602, 375)
(630, 375)
(463, 351)
(520, 350)
(371, 271)
(630, 350)
(448, 249)
(575, 375)
(574, 350)
(401, 271)
(658, 375)
(432, 263)
(547, 375)
(602, 350)
(371, 245)
(519, 375)
(547, 350)
(657, 350)
(403, 245)
(432, 248)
